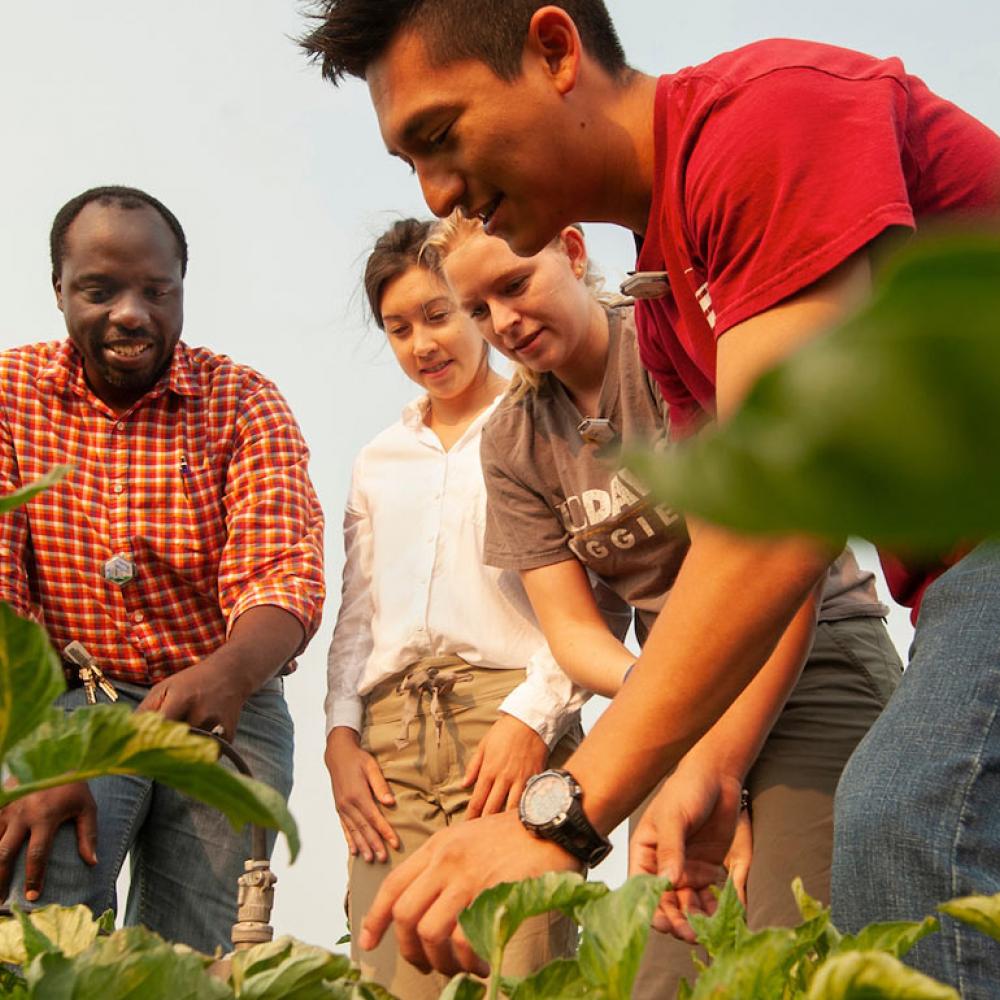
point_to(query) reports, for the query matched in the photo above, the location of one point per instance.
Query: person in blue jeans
(183, 550)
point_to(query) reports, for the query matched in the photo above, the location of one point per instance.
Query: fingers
(380, 913)
(472, 771)
(10, 845)
(36, 859)
(484, 785)
(739, 872)
(441, 939)
(86, 832)
(496, 801)
(376, 780)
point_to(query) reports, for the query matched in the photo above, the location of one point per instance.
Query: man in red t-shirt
(759, 183)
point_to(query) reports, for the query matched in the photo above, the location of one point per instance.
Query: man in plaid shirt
(184, 550)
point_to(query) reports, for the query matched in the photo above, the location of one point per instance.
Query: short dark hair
(110, 194)
(395, 251)
(354, 33)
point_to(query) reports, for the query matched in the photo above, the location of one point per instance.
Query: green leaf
(131, 964)
(760, 967)
(871, 975)
(30, 677)
(495, 914)
(981, 912)
(12, 985)
(725, 928)
(560, 978)
(884, 427)
(370, 991)
(109, 739)
(287, 968)
(66, 929)
(894, 938)
(463, 987)
(614, 929)
(8, 501)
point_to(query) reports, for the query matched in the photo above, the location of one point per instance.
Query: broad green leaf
(131, 964)
(760, 967)
(560, 978)
(495, 914)
(463, 987)
(873, 975)
(8, 501)
(894, 938)
(34, 941)
(30, 678)
(809, 908)
(885, 427)
(725, 928)
(287, 968)
(614, 929)
(109, 739)
(371, 991)
(981, 912)
(66, 929)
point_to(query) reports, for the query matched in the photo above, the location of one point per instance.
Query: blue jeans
(184, 856)
(917, 818)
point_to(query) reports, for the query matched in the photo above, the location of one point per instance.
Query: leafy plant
(884, 427)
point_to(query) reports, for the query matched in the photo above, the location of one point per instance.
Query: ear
(575, 247)
(57, 288)
(553, 37)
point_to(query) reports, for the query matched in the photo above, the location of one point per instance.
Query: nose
(504, 318)
(129, 310)
(443, 188)
(423, 340)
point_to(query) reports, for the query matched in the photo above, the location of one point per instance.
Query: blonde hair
(448, 234)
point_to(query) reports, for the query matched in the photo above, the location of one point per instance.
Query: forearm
(592, 657)
(261, 641)
(732, 601)
(731, 746)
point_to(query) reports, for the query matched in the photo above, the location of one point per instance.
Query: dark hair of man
(395, 251)
(112, 194)
(354, 33)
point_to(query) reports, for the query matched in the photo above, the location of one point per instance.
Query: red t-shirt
(775, 163)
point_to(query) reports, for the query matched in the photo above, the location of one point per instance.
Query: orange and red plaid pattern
(202, 484)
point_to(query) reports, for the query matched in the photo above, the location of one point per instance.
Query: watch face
(546, 798)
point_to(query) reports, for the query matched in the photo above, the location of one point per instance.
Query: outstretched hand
(425, 894)
(686, 834)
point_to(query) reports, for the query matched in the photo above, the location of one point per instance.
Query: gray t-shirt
(552, 496)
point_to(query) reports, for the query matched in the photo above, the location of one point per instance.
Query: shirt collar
(65, 372)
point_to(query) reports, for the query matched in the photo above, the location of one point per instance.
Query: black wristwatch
(551, 808)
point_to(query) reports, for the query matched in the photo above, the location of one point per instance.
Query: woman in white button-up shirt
(443, 697)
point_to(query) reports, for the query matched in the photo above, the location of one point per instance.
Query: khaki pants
(425, 777)
(852, 670)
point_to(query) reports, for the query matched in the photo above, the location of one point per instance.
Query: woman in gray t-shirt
(565, 513)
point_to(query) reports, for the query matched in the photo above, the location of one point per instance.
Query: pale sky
(282, 183)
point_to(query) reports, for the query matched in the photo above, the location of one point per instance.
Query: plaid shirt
(202, 484)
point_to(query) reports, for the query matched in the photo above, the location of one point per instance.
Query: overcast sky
(282, 183)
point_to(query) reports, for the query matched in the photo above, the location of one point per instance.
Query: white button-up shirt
(415, 584)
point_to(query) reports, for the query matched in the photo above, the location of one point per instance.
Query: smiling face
(479, 142)
(537, 311)
(121, 293)
(436, 344)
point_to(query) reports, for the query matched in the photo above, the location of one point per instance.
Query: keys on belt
(90, 673)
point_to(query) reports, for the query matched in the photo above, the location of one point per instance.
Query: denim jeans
(184, 856)
(917, 818)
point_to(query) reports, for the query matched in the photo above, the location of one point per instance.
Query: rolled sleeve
(274, 525)
(547, 700)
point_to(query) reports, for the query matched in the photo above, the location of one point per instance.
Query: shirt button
(118, 487)
(119, 426)
(138, 617)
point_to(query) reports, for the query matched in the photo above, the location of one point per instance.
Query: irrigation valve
(254, 904)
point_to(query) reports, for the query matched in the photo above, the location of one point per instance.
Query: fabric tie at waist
(428, 676)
